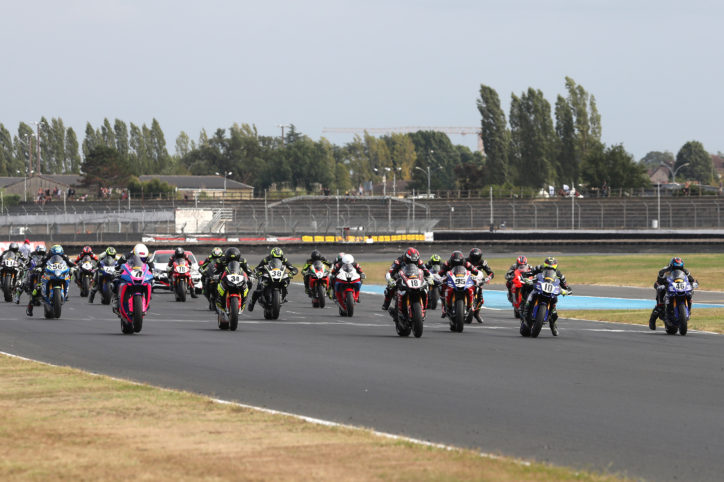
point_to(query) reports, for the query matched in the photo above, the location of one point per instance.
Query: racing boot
(29, 309)
(552, 323)
(254, 297)
(652, 319)
(114, 304)
(386, 303)
(476, 314)
(306, 285)
(91, 296)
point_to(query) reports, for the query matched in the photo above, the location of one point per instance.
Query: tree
(588, 125)
(183, 144)
(108, 135)
(654, 159)
(104, 166)
(7, 158)
(700, 167)
(156, 143)
(72, 156)
(138, 156)
(120, 131)
(496, 137)
(567, 155)
(434, 150)
(91, 140)
(25, 149)
(613, 166)
(533, 138)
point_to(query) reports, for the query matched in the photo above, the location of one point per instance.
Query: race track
(609, 397)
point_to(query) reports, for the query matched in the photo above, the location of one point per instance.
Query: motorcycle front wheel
(57, 301)
(276, 304)
(137, 313)
(539, 319)
(233, 315)
(180, 291)
(349, 303)
(417, 319)
(459, 319)
(85, 286)
(321, 295)
(683, 320)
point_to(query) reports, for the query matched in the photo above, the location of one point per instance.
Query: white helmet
(141, 251)
(347, 259)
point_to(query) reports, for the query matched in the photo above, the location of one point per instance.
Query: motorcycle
(521, 290)
(412, 297)
(181, 280)
(106, 273)
(84, 274)
(677, 303)
(134, 294)
(274, 278)
(318, 283)
(546, 288)
(478, 300)
(347, 283)
(9, 272)
(461, 286)
(436, 288)
(54, 284)
(233, 288)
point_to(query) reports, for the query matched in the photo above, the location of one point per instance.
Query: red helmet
(412, 255)
(87, 250)
(522, 260)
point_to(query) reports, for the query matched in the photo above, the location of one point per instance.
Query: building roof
(64, 179)
(198, 182)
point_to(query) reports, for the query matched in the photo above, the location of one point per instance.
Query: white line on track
(312, 420)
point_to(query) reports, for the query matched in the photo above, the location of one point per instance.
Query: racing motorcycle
(318, 283)
(436, 288)
(84, 274)
(181, 279)
(134, 294)
(480, 280)
(412, 297)
(521, 291)
(9, 272)
(233, 287)
(274, 278)
(546, 288)
(677, 302)
(54, 284)
(106, 273)
(461, 285)
(347, 283)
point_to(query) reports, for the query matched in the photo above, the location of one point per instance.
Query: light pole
(37, 141)
(428, 178)
(282, 127)
(394, 179)
(674, 171)
(224, 194)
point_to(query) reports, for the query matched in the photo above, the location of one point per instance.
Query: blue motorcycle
(543, 297)
(54, 286)
(677, 302)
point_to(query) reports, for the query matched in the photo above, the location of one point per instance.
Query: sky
(654, 67)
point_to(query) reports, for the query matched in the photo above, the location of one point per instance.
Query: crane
(406, 130)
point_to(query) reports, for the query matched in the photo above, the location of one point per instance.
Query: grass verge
(618, 270)
(63, 424)
(705, 319)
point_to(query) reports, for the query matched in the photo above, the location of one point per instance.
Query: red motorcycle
(347, 284)
(181, 279)
(318, 283)
(520, 289)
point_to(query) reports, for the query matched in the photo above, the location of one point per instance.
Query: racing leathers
(335, 269)
(391, 276)
(41, 269)
(31, 276)
(482, 265)
(96, 282)
(660, 287)
(553, 313)
(306, 272)
(447, 291)
(259, 286)
(216, 271)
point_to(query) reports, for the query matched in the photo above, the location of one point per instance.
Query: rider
(410, 256)
(110, 252)
(550, 263)
(346, 259)
(456, 259)
(55, 250)
(26, 249)
(278, 254)
(179, 253)
(34, 260)
(520, 264)
(476, 259)
(231, 254)
(86, 251)
(141, 251)
(435, 259)
(315, 256)
(13, 248)
(206, 268)
(660, 286)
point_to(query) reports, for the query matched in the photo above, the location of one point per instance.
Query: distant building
(33, 184)
(660, 175)
(208, 186)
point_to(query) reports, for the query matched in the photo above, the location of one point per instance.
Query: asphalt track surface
(610, 397)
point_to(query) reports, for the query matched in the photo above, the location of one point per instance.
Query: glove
(391, 283)
(363, 276)
(487, 280)
(294, 271)
(695, 285)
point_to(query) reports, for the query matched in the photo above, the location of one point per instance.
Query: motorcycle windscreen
(318, 265)
(411, 271)
(275, 263)
(135, 262)
(678, 274)
(233, 268)
(549, 274)
(458, 270)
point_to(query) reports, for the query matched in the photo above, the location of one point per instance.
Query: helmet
(315, 255)
(522, 260)
(412, 255)
(435, 258)
(676, 263)
(27, 241)
(217, 252)
(550, 262)
(179, 252)
(56, 249)
(457, 258)
(475, 256)
(232, 254)
(40, 249)
(277, 253)
(87, 250)
(14, 247)
(141, 251)
(110, 251)
(347, 259)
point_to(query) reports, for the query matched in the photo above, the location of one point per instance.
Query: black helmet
(457, 258)
(232, 254)
(475, 256)
(316, 255)
(179, 251)
(14, 247)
